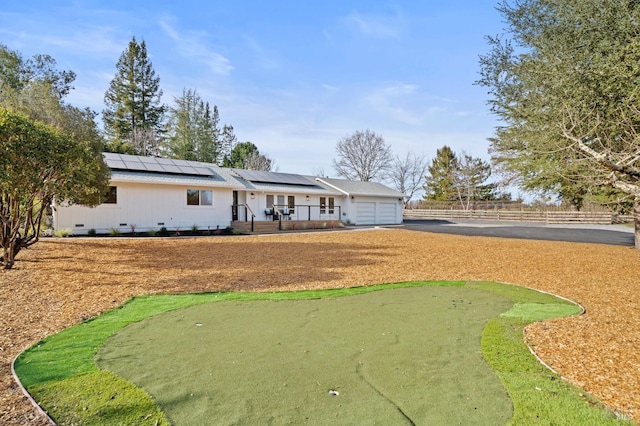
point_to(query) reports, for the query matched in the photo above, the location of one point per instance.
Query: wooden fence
(550, 217)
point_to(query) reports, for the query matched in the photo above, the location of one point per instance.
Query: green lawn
(421, 353)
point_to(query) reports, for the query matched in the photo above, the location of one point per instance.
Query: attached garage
(367, 203)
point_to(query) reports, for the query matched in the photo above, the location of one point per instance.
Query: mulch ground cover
(61, 282)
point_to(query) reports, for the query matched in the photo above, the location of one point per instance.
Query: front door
(234, 207)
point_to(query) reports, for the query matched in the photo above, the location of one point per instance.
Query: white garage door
(386, 213)
(366, 213)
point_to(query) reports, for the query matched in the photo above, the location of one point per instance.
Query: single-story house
(149, 193)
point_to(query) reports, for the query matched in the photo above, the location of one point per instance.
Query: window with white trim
(327, 204)
(199, 197)
(111, 197)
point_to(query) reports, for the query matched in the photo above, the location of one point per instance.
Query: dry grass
(60, 282)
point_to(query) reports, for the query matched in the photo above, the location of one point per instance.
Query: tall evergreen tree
(440, 180)
(180, 139)
(228, 142)
(133, 100)
(192, 131)
(208, 134)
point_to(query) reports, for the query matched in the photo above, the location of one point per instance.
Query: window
(206, 198)
(199, 197)
(111, 197)
(291, 204)
(324, 201)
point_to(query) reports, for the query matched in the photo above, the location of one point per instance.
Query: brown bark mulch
(60, 282)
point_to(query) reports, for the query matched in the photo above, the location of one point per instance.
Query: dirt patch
(60, 282)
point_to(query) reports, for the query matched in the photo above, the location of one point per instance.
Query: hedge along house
(149, 193)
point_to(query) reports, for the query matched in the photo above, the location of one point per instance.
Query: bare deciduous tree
(408, 175)
(145, 141)
(469, 179)
(256, 161)
(362, 156)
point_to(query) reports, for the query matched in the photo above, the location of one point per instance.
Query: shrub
(91, 232)
(61, 233)
(232, 231)
(114, 232)
(163, 231)
(194, 228)
(152, 232)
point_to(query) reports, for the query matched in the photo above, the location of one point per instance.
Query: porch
(280, 218)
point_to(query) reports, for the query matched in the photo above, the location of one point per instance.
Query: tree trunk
(636, 221)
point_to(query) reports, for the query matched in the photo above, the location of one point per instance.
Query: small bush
(194, 228)
(163, 231)
(91, 232)
(114, 232)
(232, 231)
(152, 232)
(61, 233)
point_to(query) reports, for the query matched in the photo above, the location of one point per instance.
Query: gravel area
(61, 282)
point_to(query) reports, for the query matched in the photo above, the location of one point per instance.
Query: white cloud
(193, 45)
(169, 30)
(401, 102)
(263, 57)
(381, 26)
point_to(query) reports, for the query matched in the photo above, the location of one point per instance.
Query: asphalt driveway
(599, 234)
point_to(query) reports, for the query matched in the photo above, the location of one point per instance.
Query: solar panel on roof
(188, 170)
(171, 169)
(204, 171)
(154, 167)
(127, 157)
(270, 177)
(115, 164)
(134, 165)
(157, 165)
(164, 160)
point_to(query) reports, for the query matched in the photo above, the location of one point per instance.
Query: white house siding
(147, 207)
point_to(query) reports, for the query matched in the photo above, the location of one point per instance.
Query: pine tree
(228, 142)
(192, 130)
(440, 181)
(208, 146)
(133, 99)
(180, 140)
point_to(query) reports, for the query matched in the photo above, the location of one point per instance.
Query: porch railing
(281, 212)
(235, 212)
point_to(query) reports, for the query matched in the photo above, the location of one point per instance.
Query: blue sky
(293, 77)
